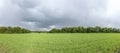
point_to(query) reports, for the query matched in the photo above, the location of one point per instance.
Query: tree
(79, 29)
(3, 29)
(13, 30)
(97, 29)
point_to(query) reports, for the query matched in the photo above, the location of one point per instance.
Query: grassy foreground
(60, 43)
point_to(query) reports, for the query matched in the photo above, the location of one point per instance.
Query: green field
(60, 43)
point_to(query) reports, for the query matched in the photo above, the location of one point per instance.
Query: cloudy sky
(47, 14)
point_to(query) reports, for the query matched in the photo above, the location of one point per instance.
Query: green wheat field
(60, 43)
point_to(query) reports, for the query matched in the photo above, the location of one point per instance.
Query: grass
(60, 43)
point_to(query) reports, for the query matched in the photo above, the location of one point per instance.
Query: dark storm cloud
(46, 14)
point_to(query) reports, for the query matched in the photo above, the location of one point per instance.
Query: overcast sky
(47, 14)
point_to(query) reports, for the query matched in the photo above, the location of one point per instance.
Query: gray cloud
(46, 14)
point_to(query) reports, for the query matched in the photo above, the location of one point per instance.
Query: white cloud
(46, 14)
(113, 7)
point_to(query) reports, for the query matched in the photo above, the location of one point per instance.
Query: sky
(48, 14)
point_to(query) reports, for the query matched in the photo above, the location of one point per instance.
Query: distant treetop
(13, 30)
(79, 29)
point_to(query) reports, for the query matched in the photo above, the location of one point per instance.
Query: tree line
(79, 29)
(13, 30)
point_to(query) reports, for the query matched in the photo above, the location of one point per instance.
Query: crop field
(60, 43)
